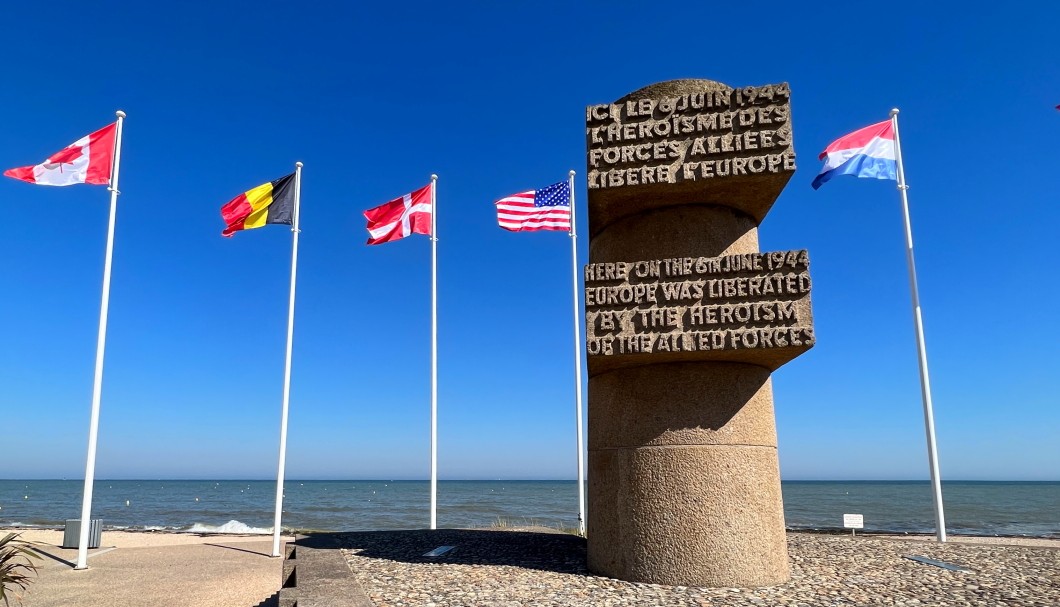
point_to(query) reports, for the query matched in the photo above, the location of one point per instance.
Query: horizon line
(501, 480)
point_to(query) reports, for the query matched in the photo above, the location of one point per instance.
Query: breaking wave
(229, 527)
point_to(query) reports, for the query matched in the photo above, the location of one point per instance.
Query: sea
(984, 508)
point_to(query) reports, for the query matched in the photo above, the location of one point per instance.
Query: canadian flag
(87, 160)
(410, 214)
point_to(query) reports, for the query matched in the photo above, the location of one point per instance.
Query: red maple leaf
(66, 156)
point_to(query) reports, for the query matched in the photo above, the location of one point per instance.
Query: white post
(925, 382)
(434, 352)
(577, 362)
(101, 342)
(287, 365)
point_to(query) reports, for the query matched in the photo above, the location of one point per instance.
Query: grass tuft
(509, 524)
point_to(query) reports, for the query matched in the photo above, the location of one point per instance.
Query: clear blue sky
(373, 98)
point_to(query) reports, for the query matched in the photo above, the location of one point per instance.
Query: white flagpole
(577, 362)
(287, 366)
(925, 382)
(434, 352)
(101, 342)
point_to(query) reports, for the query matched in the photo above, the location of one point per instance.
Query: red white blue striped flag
(867, 152)
(545, 209)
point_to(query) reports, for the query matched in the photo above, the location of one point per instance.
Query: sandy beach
(530, 567)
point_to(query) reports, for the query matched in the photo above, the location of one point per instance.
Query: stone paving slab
(215, 572)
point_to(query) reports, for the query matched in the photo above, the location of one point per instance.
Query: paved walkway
(202, 571)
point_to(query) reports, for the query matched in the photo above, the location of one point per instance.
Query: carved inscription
(692, 137)
(747, 301)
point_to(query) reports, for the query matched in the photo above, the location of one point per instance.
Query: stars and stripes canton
(545, 209)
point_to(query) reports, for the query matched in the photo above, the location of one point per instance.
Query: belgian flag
(272, 202)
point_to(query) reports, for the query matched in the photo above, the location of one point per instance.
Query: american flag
(544, 209)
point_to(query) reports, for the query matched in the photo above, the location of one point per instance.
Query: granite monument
(685, 321)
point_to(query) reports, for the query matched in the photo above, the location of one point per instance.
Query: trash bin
(72, 535)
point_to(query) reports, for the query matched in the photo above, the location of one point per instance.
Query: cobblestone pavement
(509, 569)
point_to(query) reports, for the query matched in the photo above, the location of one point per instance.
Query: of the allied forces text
(692, 304)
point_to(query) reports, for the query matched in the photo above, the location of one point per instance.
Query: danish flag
(87, 160)
(410, 214)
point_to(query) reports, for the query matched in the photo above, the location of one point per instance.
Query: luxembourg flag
(867, 152)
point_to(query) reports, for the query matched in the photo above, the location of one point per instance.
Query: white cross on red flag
(410, 214)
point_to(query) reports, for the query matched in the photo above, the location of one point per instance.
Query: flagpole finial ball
(434, 177)
(894, 112)
(120, 114)
(299, 164)
(571, 173)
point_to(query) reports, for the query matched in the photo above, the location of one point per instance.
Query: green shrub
(15, 567)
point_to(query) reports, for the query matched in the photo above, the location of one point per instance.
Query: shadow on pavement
(257, 552)
(272, 601)
(53, 557)
(559, 552)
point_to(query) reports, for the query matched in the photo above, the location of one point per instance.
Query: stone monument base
(685, 455)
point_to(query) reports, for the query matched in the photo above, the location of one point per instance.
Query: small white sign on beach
(853, 521)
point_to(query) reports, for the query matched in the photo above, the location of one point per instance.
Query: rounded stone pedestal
(684, 456)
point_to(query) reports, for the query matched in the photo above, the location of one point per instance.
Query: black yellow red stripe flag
(271, 202)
